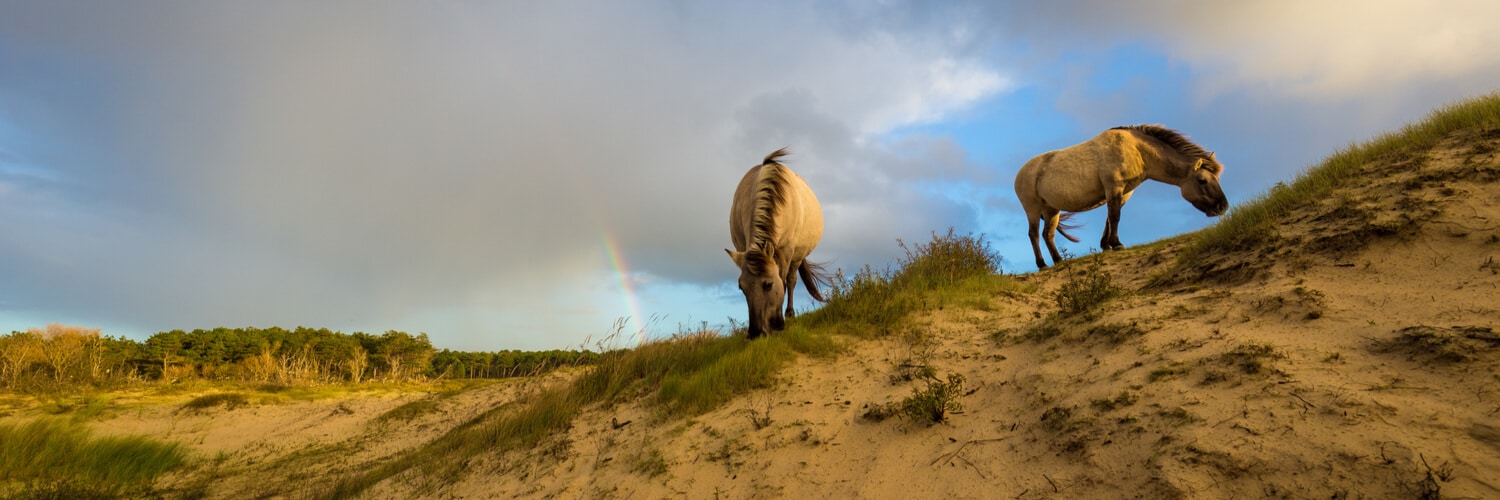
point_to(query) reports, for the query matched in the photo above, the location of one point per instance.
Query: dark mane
(770, 195)
(775, 155)
(1174, 139)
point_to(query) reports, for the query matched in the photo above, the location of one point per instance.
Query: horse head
(1201, 187)
(760, 281)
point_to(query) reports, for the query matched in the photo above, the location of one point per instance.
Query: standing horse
(775, 222)
(1105, 170)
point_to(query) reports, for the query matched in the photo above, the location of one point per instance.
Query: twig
(1049, 481)
(1304, 401)
(951, 455)
(976, 468)
(961, 447)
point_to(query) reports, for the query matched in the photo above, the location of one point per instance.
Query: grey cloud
(334, 166)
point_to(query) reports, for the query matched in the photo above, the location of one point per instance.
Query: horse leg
(1111, 239)
(1049, 233)
(1036, 246)
(791, 286)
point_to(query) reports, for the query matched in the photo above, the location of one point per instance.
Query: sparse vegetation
(1428, 344)
(1116, 333)
(649, 463)
(1084, 292)
(408, 411)
(229, 400)
(1121, 400)
(1250, 358)
(932, 404)
(1253, 223)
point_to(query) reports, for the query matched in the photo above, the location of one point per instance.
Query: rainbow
(634, 323)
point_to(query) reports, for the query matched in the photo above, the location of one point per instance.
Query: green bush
(932, 404)
(1086, 292)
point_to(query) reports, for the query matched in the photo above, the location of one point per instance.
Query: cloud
(1308, 50)
(455, 168)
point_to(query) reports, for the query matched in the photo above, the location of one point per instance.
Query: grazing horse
(775, 222)
(1105, 170)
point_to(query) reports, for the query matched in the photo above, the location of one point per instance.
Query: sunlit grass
(56, 457)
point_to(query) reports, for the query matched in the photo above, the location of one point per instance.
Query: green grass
(948, 269)
(1254, 221)
(52, 457)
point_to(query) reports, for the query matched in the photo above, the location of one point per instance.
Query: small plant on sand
(1250, 358)
(1084, 292)
(1125, 398)
(650, 463)
(932, 404)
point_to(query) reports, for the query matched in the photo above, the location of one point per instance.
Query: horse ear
(1211, 156)
(754, 260)
(737, 257)
(1198, 165)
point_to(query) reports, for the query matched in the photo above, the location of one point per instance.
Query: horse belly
(1072, 197)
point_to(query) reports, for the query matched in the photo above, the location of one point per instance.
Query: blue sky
(522, 175)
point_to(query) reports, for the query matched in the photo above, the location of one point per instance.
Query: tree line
(61, 356)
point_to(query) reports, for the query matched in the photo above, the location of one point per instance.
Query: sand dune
(1351, 353)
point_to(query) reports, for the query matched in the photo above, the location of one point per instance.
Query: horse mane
(770, 195)
(1176, 141)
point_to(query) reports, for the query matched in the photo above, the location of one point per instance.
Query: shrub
(1086, 292)
(946, 260)
(932, 404)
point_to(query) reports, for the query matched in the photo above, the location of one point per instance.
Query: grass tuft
(229, 400)
(950, 268)
(51, 457)
(1086, 291)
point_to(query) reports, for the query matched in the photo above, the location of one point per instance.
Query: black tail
(1063, 226)
(813, 275)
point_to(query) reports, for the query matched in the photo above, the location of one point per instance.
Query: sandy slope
(1356, 354)
(1323, 399)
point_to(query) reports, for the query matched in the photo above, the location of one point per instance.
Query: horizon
(508, 177)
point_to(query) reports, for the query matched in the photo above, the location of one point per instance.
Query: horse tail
(1063, 226)
(813, 275)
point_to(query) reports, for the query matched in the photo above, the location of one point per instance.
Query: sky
(539, 175)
